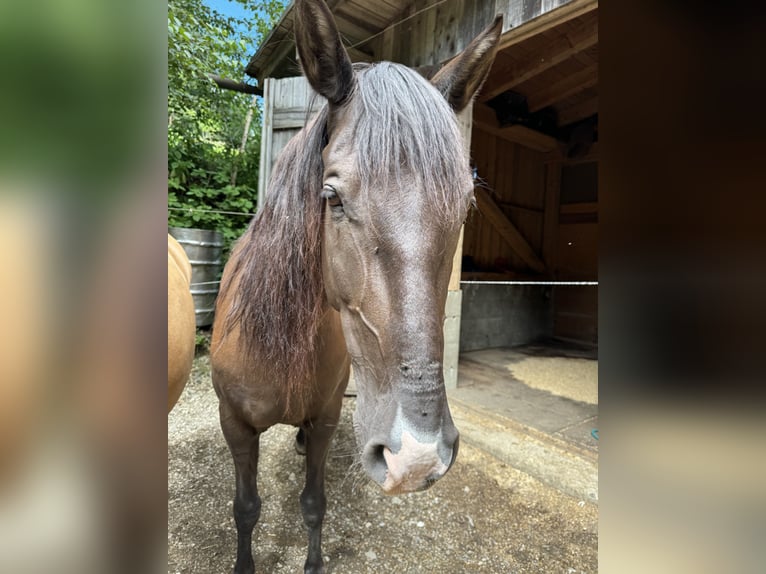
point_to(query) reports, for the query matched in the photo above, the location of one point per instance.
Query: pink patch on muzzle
(410, 468)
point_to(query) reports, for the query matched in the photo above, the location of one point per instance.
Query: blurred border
(683, 274)
(82, 178)
(82, 286)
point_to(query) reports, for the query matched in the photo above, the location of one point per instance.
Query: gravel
(483, 517)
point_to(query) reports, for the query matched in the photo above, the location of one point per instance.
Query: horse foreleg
(313, 501)
(243, 442)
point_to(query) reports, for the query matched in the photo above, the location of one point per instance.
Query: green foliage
(207, 169)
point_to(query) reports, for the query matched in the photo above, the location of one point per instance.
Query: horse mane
(278, 298)
(402, 125)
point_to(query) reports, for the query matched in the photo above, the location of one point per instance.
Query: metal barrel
(203, 248)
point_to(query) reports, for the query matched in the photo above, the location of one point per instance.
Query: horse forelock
(404, 132)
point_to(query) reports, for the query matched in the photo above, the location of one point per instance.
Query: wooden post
(264, 167)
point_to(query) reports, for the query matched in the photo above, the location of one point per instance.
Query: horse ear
(461, 77)
(324, 60)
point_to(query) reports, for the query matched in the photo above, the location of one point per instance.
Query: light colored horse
(181, 321)
(348, 262)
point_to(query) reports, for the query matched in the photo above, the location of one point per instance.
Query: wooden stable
(533, 134)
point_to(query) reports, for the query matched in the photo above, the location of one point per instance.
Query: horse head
(396, 187)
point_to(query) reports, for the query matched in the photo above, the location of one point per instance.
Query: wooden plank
(358, 55)
(564, 88)
(419, 35)
(264, 165)
(375, 18)
(528, 137)
(578, 111)
(292, 117)
(529, 190)
(286, 47)
(577, 256)
(551, 216)
(285, 103)
(442, 34)
(352, 31)
(530, 178)
(516, 207)
(386, 46)
(429, 33)
(508, 72)
(550, 19)
(484, 116)
(495, 216)
(584, 207)
(589, 157)
(487, 237)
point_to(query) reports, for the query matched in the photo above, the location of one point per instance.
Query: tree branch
(228, 84)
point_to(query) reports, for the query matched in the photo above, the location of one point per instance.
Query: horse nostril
(374, 462)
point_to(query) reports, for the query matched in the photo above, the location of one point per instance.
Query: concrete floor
(535, 408)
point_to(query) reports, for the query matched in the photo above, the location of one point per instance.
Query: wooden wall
(415, 41)
(576, 308)
(554, 206)
(285, 105)
(435, 32)
(515, 175)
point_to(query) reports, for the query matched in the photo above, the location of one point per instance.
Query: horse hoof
(300, 443)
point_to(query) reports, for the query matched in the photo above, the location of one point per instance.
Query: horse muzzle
(415, 466)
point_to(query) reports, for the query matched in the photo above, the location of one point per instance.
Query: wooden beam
(589, 157)
(580, 111)
(293, 117)
(578, 208)
(508, 73)
(569, 86)
(484, 117)
(275, 58)
(507, 230)
(267, 131)
(228, 84)
(358, 55)
(549, 20)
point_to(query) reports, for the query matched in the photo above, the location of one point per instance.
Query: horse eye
(331, 195)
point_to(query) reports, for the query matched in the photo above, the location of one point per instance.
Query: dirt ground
(483, 517)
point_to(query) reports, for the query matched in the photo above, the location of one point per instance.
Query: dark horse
(348, 263)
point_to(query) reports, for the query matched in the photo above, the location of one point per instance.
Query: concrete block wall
(496, 315)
